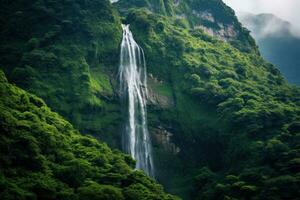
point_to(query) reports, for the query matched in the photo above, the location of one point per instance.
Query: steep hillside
(277, 43)
(224, 123)
(65, 52)
(214, 17)
(227, 105)
(43, 157)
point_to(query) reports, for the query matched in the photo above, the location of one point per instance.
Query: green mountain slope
(224, 123)
(43, 157)
(228, 105)
(65, 52)
(214, 17)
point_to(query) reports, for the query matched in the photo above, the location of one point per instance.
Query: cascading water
(133, 91)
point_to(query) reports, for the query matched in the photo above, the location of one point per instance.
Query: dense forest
(224, 123)
(44, 157)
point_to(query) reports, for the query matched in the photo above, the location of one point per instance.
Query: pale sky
(288, 10)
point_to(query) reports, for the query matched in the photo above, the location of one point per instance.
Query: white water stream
(133, 90)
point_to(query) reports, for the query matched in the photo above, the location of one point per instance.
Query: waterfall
(133, 92)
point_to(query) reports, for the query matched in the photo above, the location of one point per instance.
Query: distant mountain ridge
(277, 42)
(266, 24)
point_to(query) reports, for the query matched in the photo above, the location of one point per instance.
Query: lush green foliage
(232, 115)
(212, 15)
(43, 157)
(65, 52)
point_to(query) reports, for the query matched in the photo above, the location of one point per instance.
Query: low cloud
(285, 9)
(264, 25)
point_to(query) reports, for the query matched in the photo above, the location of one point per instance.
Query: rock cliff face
(163, 138)
(207, 20)
(157, 99)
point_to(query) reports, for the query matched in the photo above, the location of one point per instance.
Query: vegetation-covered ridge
(43, 157)
(234, 115)
(65, 52)
(212, 16)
